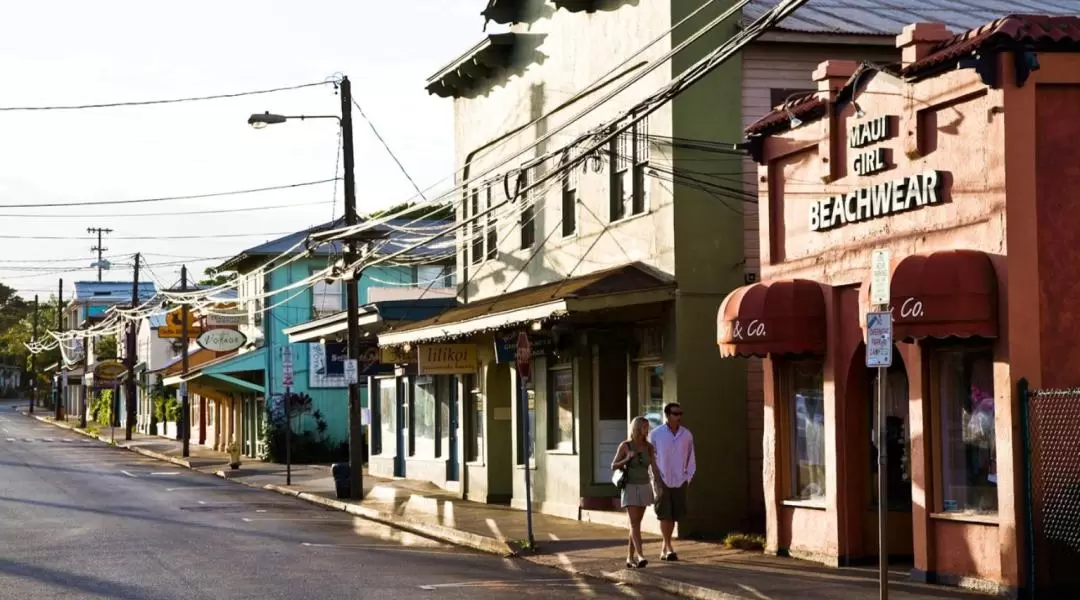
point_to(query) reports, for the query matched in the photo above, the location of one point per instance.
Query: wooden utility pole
(185, 406)
(129, 357)
(33, 360)
(352, 297)
(99, 248)
(62, 384)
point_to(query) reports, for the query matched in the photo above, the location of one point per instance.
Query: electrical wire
(217, 211)
(271, 188)
(143, 237)
(386, 146)
(158, 102)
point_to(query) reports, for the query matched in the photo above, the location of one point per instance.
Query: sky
(70, 52)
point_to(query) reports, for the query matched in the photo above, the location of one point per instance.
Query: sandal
(670, 556)
(641, 563)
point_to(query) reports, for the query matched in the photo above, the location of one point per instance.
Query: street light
(352, 296)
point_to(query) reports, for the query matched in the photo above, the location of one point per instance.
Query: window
(388, 416)
(528, 223)
(966, 435)
(561, 408)
(779, 96)
(530, 435)
(629, 154)
(651, 390)
(804, 385)
(435, 276)
(492, 229)
(423, 414)
(477, 239)
(569, 200)
(474, 448)
(325, 298)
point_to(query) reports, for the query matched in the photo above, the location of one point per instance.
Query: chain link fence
(1051, 429)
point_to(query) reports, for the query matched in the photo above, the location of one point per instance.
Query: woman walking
(635, 457)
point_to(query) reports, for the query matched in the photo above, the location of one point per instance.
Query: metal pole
(129, 358)
(528, 469)
(352, 298)
(62, 384)
(84, 397)
(883, 488)
(288, 437)
(185, 405)
(33, 360)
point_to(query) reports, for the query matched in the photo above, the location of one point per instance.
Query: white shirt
(674, 455)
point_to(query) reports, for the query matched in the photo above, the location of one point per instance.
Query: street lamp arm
(259, 121)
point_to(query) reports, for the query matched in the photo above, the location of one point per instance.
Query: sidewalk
(706, 570)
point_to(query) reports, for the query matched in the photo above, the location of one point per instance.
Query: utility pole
(99, 248)
(185, 406)
(352, 298)
(84, 398)
(129, 356)
(62, 384)
(33, 360)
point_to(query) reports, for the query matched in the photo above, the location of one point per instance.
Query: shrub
(308, 447)
(745, 541)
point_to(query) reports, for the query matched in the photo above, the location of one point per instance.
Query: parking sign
(879, 339)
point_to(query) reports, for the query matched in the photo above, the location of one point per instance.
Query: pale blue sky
(72, 52)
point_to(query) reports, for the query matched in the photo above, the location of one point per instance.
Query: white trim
(502, 319)
(334, 324)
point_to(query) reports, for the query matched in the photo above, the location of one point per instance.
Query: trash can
(342, 479)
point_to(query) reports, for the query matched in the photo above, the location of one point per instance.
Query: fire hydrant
(234, 455)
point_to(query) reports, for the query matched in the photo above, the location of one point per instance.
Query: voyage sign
(447, 359)
(221, 340)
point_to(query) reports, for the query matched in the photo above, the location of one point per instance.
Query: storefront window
(965, 404)
(474, 447)
(388, 415)
(652, 394)
(423, 414)
(805, 384)
(561, 405)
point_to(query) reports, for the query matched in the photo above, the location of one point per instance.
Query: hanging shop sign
(108, 371)
(174, 325)
(396, 356)
(506, 344)
(447, 359)
(225, 314)
(221, 340)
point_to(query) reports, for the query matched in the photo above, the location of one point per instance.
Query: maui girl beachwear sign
(886, 198)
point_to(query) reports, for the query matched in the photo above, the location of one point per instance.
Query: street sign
(351, 375)
(879, 277)
(523, 355)
(879, 339)
(286, 365)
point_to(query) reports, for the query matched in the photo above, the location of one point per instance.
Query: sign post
(879, 351)
(287, 381)
(523, 356)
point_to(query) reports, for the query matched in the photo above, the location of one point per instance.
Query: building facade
(960, 164)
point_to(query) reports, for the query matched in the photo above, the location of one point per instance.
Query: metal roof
(112, 292)
(889, 17)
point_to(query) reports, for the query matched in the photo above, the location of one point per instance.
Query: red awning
(775, 317)
(952, 293)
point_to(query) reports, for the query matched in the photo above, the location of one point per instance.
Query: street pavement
(82, 519)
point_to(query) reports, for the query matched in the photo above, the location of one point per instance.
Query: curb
(671, 586)
(439, 532)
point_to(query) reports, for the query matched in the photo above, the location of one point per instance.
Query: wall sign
(873, 202)
(740, 330)
(447, 359)
(221, 340)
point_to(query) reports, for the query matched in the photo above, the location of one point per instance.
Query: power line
(162, 214)
(166, 101)
(147, 237)
(171, 198)
(388, 150)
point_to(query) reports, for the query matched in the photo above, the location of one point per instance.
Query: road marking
(322, 519)
(127, 473)
(12, 440)
(432, 550)
(501, 583)
(167, 473)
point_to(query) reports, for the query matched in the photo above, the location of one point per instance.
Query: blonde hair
(635, 424)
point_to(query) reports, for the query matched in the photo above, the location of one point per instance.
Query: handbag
(618, 477)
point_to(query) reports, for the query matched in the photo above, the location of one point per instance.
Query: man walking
(675, 458)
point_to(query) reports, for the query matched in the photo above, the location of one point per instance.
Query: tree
(16, 330)
(105, 347)
(213, 277)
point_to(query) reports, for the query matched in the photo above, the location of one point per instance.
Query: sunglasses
(676, 414)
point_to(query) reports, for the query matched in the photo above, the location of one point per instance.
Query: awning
(633, 284)
(372, 318)
(222, 373)
(952, 293)
(774, 317)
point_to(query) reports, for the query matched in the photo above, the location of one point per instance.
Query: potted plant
(234, 455)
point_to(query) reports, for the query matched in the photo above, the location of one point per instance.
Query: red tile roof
(1034, 32)
(1040, 32)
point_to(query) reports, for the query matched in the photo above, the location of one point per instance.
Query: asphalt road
(81, 519)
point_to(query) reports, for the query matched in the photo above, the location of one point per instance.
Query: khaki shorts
(637, 494)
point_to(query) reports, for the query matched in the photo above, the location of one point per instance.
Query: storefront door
(898, 459)
(403, 430)
(452, 466)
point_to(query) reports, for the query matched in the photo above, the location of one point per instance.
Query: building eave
(495, 54)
